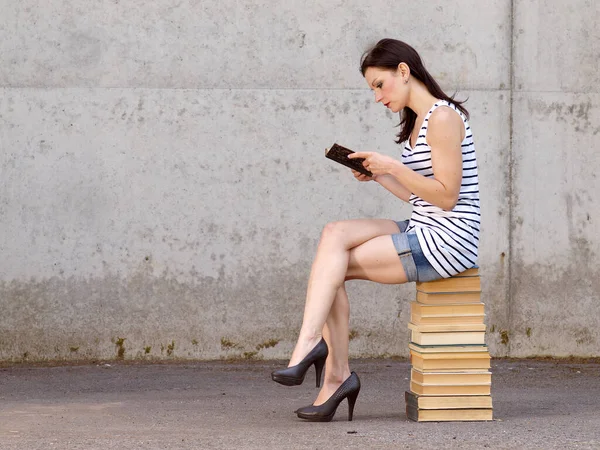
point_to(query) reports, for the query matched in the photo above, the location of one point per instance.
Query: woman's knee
(333, 232)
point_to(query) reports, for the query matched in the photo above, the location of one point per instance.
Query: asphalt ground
(235, 405)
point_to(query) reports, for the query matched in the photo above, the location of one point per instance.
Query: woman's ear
(404, 71)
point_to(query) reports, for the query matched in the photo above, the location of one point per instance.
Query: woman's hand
(376, 163)
(361, 177)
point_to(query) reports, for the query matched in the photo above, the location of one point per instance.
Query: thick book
(450, 378)
(447, 327)
(454, 284)
(448, 402)
(450, 362)
(440, 319)
(448, 415)
(458, 348)
(340, 154)
(446, 314)
(421, 337)
(449, 389)
(460, 309)
(449, 338)
(474, 272)
(446, 298)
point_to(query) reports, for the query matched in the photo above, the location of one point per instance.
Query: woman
(437, 174)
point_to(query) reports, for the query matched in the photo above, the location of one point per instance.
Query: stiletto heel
(293, 376)
(325, 412)
(319, 364)
(351, 402)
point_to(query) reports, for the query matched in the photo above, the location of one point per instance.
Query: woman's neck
(420, 100)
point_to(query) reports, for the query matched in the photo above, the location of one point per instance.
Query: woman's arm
(392, 184)
(388, 182)
(445, 135)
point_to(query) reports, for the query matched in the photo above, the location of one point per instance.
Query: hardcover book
(466, 361)
(467, 313)
(447, 328)
(450, 390)
(448, 348)
(445, 337)
(450, 378)
(448, 298)
(444, 415)
(448, 402)
(454, 285)
(340, 154)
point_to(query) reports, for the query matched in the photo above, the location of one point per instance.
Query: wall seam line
(509, 293)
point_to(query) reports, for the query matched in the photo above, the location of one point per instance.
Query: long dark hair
(387, 54)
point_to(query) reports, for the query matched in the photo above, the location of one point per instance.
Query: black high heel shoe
(325, 412)
(293, 376)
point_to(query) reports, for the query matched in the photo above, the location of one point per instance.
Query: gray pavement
(202, 405)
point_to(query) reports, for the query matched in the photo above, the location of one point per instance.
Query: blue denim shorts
(413, 260)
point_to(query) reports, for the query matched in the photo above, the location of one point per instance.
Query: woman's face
(389, 87)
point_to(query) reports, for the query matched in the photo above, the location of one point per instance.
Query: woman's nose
(378, 97)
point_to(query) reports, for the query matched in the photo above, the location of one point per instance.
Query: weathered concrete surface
(556, 247)
(537, 405)
(189, 219)
(163, 184)
(555, 295)
(251, 44)
(556, 46)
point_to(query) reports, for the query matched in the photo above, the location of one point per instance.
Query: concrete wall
(164, 185)
(555, 246)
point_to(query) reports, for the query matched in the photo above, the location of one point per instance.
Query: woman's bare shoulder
(445, 123)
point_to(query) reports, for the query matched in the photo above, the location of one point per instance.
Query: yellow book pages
(454, 284)
(449, 356)
(448, 298)
(451, 310)
(450, 370)
(448, 402)
(447, 348)
(449, 338)
(452, 364)
(451, 378)
(468, 273)
(448, 415)
(441, 320)
(456, 390)
(446, 327)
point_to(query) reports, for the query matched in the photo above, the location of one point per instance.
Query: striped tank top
(449, 239)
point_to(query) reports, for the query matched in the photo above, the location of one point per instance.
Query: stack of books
(450, 376)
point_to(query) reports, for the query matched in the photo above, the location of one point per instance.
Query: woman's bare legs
(354, 249)
(336, 333)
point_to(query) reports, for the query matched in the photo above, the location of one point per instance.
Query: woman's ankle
(303, 347)
(309, 338)
(337, 377)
